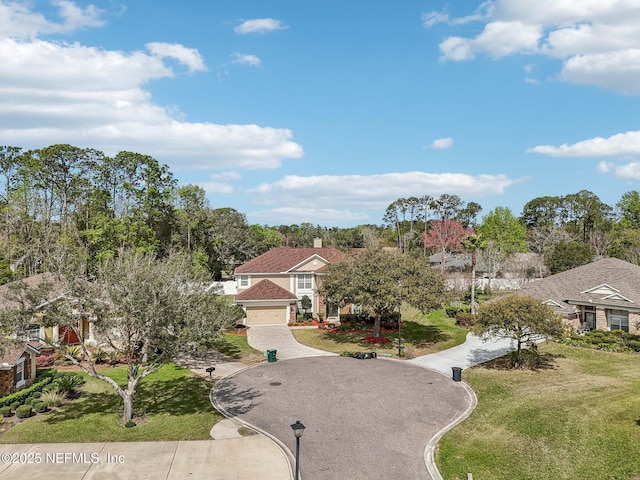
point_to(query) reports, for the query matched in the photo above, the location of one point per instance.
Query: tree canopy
(379, 281)
(146, 310)
(520, 318)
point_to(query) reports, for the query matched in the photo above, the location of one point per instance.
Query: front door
(590, 320)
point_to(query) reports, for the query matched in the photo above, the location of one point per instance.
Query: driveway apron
(280, 338)
(365, 419)
(473, 351)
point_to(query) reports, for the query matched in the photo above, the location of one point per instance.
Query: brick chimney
(317, 243)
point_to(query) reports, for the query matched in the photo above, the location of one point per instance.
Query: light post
(298, 430)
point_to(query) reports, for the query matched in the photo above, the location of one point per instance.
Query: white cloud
(259, 25)
(619, 145)
(630, 171)
(17, 20)
(216, 187)
(219, 182)
(189, 57)
(375, 191)
(598, 40)
(443, 143)
(95, 98)
(498, 39)
(244, 59)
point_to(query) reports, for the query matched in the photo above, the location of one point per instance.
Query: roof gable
(265, 290)
(13, 352)
(285, 259)
(603, 289)
(617, 283)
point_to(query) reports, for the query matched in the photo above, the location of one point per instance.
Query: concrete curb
(429, 449)
(288, 456)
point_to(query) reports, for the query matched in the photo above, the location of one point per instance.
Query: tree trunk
(376, 326)
(128, 406)
(473, 283)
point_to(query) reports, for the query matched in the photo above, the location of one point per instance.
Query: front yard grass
(421, 334)
(577, 419)
(175, 404)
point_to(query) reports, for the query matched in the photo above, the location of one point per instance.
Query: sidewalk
(247, 458)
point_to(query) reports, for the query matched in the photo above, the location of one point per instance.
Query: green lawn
(175, 403)
(421, 334)
(578, 419)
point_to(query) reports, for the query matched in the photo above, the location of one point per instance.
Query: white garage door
(267, 315)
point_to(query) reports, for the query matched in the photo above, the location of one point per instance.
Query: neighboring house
(17, 368)
(271, 286)
(452, 261)
(602, 295)
(82, 328)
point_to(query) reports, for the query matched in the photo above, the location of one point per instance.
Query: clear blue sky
(326, 112)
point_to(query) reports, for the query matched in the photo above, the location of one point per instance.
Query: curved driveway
(365, 419)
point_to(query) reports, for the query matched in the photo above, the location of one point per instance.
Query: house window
(20, 373)
(33, 331)
(619, 320)
(243, 281)
(304, 282)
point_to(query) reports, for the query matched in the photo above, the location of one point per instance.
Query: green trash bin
(271, 355)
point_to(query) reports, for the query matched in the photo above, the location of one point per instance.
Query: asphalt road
(365, 419)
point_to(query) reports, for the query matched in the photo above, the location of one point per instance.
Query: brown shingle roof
(265, 290)
(12, 352)
(573, 285)
(283, 259)
(57, 288)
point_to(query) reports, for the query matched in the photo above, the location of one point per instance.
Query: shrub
(53, 398)
(29, 401)
(74, 351)
(130, 424)
(99, 356)
(635, 345)
(452, 311)
(6, 411)
(36, 394)
(15, 405)
(40, 407)
(24, 411)
(465, 320)
(69, 383)
(42, 379)
(45, 361)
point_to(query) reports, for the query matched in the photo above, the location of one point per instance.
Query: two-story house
(271, 286)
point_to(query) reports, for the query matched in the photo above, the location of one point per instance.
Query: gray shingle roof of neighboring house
(608, 283)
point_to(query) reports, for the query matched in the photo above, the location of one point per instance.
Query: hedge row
(42, 381)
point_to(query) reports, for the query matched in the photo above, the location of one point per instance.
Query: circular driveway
(364, 419)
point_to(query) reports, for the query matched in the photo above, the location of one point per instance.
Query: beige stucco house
(271, 286)
(79, 329)
(603, 295)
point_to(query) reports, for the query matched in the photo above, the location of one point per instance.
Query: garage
(266, 315)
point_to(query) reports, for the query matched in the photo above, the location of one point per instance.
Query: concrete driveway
(365, 419)
(280, 338)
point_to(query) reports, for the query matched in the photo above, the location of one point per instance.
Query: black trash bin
(271, 355)
(457, 374)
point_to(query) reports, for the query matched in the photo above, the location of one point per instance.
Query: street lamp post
(298, 430)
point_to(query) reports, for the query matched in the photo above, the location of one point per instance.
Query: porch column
(56, 334)
(91, 341)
